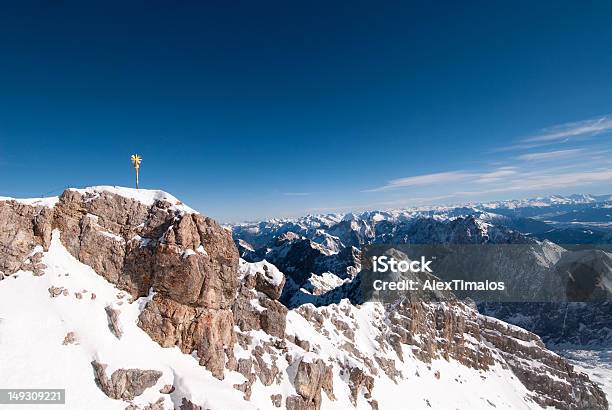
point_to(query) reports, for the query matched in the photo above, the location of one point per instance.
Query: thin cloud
(562, 133)
(426, 179)
(297, 193)
(574, 129)
(550, 154)
(412, 201)
(497, 175)
(534, 181)
(562, 180)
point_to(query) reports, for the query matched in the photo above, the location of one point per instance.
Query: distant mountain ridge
(333, 242)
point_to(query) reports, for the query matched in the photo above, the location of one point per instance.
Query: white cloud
(561, 180)
(426, 179)
(498, 174)
(562, 133)
(402, 202)
(536, 156)
(574, 129)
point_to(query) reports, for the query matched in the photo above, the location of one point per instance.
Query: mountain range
(130, 299)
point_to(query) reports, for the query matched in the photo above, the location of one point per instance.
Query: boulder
(124, 384)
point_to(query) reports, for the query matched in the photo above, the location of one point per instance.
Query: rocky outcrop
(449, 330)
(23, 227)
(256, 306)
(270, 281)
(188, 405)
(358, 381)
(124, 384)
(187, 257)
(555, 383)
(113, 321)
(69, 339)
(189, 260)
(208, 331)
(312, 377)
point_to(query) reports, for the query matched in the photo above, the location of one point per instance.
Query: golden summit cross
(136, 160)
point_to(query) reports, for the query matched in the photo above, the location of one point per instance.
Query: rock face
(447, 329)
(311, 378)
(209, 331)
(23, 227)
(256, 306)
(186, 257)
(566, 389)
(124, 384)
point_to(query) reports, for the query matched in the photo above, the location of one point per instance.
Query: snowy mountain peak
(144, 307)
(145, 196)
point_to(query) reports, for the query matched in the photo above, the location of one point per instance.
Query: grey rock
(124, 384)
(113, 321)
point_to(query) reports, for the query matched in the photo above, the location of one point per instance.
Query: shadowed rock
(124, 384)
(113, 321)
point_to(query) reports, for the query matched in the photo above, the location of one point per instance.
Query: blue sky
(268, 109)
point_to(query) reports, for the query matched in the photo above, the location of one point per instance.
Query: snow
(111, 235)
(46, 202)
(188, 252)
(271, 273)
(309, 357)
(146, 196)
(419, 388)
(33, 326)
(595, 362)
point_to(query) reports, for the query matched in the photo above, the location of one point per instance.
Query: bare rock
(312, 377)
(304, 344)
(299, 403)
(265, 371)
(253, 312)
(209, 331)
(359, 381)
(267, 281)
(99, 230)
(124, 384)
(245, 388)
(277, 399)
(158, 405)
(274, 319)
(113, 321)
(23, 228)
(55, 291)
(555, 384)
(188, 405)
(69, 339)
(167, 389)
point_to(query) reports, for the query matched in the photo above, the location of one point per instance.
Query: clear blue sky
(250, 110)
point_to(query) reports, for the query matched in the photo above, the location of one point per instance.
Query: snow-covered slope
(34, 326)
